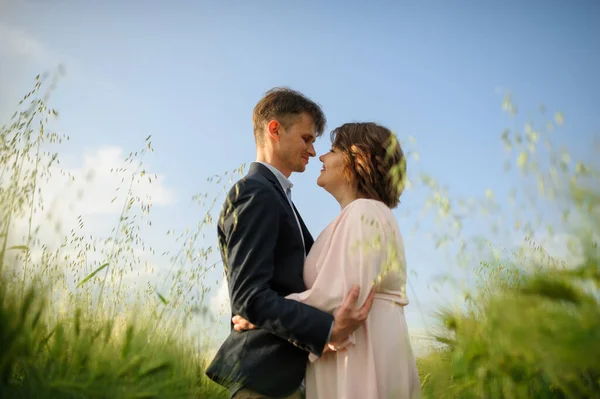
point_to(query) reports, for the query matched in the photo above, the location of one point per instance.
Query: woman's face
(332, 176)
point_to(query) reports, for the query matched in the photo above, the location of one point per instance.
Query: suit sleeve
(249, 234)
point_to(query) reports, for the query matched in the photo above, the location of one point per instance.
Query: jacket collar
(283, 181)
(259, 168)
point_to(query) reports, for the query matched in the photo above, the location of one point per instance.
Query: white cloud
(102, 172)
(219, 302)
(77, 204)
(98, 186)
(17, 43)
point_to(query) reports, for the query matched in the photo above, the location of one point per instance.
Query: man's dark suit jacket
(263, 255)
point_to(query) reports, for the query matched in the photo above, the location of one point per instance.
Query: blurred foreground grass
(530, 328)
(70, 327)
(79, 357)
(538, 337)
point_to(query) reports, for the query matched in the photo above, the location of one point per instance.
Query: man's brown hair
(373, 159)
(285, 105)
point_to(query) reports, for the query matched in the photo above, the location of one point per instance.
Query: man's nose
(311, 150)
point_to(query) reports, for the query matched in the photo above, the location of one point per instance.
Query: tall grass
(535, 338)
(70, 327)
(530, 325)
(81, 357)
(73, 326)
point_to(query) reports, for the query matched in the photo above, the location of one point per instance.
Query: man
(264, 242)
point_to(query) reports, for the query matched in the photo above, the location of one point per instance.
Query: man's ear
(274, 129)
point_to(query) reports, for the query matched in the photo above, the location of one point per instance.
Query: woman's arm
(358, 248)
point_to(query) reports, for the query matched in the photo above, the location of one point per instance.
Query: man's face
(296, 144)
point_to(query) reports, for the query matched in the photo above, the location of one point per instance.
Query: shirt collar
(283, 181)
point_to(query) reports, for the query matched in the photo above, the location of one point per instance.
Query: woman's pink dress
(361, 246)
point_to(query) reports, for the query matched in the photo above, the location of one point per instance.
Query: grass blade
(91, 275)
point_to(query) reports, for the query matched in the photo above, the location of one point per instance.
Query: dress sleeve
(355, 255)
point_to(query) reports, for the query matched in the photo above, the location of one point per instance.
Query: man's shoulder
(254, 189)
(255, 182)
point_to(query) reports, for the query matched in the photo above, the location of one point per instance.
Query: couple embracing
(318, 319)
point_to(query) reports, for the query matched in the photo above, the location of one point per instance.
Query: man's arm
(347, 318)
(250, 228)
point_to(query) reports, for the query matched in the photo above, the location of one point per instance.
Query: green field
(72, 327)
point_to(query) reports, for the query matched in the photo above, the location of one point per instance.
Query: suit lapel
(256, 167)
(308, 240)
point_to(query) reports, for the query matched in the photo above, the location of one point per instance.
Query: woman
(364, 171)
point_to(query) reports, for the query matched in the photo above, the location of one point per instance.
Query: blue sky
(189, 74)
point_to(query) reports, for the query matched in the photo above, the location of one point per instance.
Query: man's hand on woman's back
(347, 318)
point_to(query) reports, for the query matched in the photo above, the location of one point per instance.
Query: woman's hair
(373, 160)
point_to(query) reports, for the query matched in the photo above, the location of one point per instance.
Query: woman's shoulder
(363, 209)
(365, 205)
